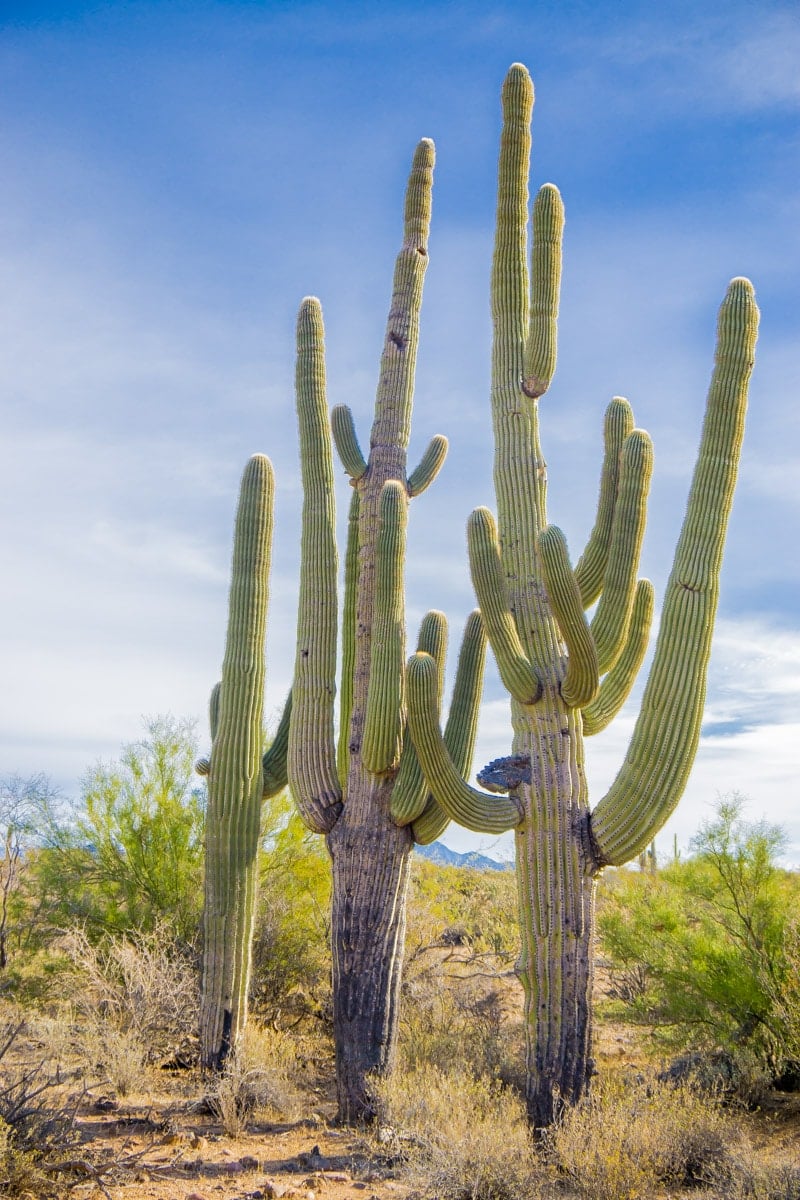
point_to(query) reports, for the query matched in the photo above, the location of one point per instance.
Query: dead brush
(259, 1079)
(459, 1137)
(630, 1138)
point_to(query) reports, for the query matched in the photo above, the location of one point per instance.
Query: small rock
(361, 1186)
(249, 1162)
(196, 1196)
(268, 1190)
(336, 1177)
(198, 1142)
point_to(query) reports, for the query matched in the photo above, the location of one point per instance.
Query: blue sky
(176, 177)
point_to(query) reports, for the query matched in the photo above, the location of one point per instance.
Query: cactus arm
(410, 792)
(616, 686)
(348, 638)
(275, 760)
(667, 732)
(515, 670)
(582, 679)
(311, 760)
(346, 441)
(203, 765)
(610, 623)
(383, 723)
(591, 568)
(461, 729)
(471, 808)
(541, 346)
(429, 466)
(235, 781)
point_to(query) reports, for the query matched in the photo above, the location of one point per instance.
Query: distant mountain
(444, 857)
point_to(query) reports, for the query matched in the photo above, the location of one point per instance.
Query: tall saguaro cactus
(367, 794)
(568, 676)
(238, 776)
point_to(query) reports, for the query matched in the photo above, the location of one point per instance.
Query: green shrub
(703, 949)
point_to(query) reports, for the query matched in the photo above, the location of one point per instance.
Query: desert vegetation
(101, 1090)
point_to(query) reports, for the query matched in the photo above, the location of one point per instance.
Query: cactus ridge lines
(542, 341)
(616, 686)
(429, 466)
(591, 567)
(410, 791)
(582, 679)
(665, 739)
(469, 807)
(311, 762)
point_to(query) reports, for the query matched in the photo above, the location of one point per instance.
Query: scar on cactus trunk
(366, 793)
(568, 676)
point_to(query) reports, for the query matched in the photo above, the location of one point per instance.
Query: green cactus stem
(235, 781)
(532, 605)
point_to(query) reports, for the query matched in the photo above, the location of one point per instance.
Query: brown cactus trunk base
(371, 871)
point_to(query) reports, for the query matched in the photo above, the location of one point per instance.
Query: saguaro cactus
(367, 794)
(238, 776)
(567, 676)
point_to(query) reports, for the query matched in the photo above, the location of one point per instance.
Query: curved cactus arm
(582, 679)
(542, 342)
(610, 623)
(429, 466)
(486, 568)
(667, 732)
(383, 722)
(274, 762)
(591, 568)
(615, 688)
(410, 791)
(348, 637)
(461, 729)
(311, 760)
(346, 441)
(479, 811)
(203, 765)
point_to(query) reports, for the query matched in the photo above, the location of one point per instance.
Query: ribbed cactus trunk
(568, 676)
(235, 779)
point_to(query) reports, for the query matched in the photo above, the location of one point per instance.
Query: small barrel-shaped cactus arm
(203, 765)
(479, 811)
(582, 679)
(591, 568)
(610, 624)
(312, 770)
(346, 441)
(348, 638)
(667, 732)
(275, 760)
(429, 466)
(461, 730)
(410, 791)
(515, 670)
(542, 343)
(615, 688)
(385, 708)
(235, 778)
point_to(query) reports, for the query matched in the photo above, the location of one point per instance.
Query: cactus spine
(568, 677)
(367, 794)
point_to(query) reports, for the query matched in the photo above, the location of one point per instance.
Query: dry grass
(461, 1137)
(260, 1079)
(631, 1137)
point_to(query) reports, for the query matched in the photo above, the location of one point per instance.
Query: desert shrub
(260, 1078)
(630, 1138)
(743, 1175)
(703, 948)
(131, 856)
(37, 1111)
(136, 1003)
(461, 1138)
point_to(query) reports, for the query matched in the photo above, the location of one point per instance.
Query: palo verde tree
(568, 675)
(367, 793)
